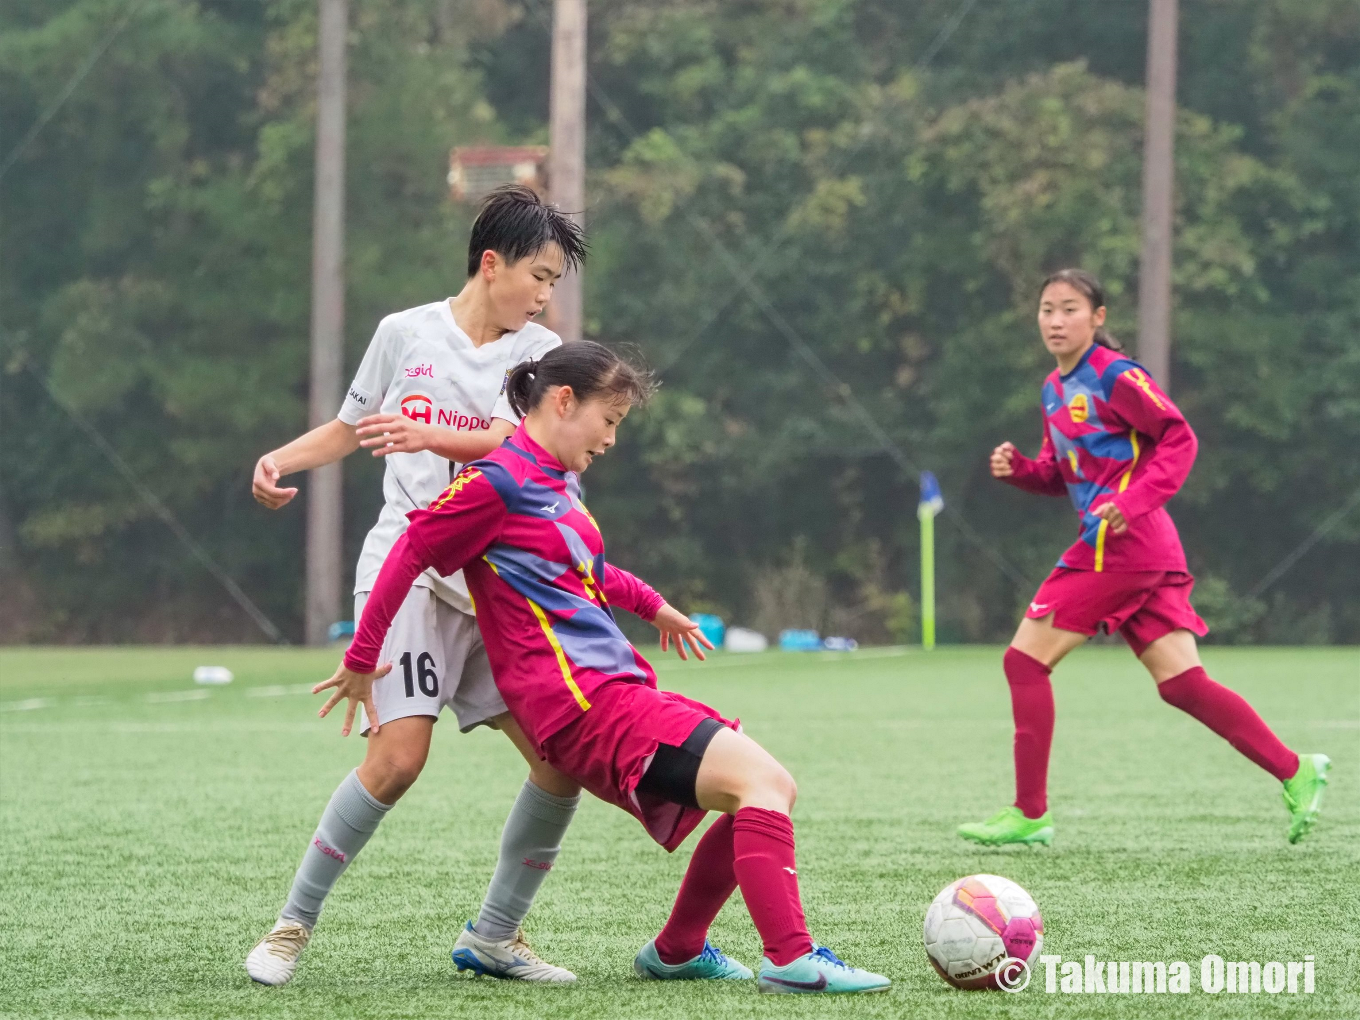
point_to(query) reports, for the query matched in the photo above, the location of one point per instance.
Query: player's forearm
(465, 447)
(627, 591)
(1040, 477)
(323, 445)
(399, 571)
(1166, 472)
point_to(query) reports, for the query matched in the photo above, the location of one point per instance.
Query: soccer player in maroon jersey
(534, 562)
(1117, 446)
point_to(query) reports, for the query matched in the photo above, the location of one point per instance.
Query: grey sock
(349, 820)
(529, 844)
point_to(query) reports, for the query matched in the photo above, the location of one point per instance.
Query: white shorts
(437, 659)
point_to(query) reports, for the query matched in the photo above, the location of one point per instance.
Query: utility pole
(567, 147)
(325, 492)
(1159, 140)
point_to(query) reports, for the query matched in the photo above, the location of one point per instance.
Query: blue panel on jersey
(508, 558)
(592, 640)
(534, 499)
(501, 480)
(1083, 494)
(1049, 398)
(1110, 445)
(580, 553)
(1114, 370)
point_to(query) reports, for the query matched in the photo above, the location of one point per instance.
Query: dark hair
(1087, 283)
(590, 369)
(515, 223)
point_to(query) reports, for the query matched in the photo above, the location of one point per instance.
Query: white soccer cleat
(511, 959)
(274, 960)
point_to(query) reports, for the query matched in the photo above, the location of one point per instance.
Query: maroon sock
(709, 882)
(1228, 714)
(762, 842)
(1032, 708)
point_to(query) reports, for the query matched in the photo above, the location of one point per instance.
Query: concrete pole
(1159, 137)
(567, 147)
(325, 494)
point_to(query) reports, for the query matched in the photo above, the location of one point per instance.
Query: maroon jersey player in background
(1117, 446)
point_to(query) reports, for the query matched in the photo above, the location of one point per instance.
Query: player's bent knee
(549, 780)
(392, 771)
(401, 773)
(771, 787)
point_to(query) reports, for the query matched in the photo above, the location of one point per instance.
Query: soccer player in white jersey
(428, 396)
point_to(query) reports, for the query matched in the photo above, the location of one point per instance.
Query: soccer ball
(975, 925)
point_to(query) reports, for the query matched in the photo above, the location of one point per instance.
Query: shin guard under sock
(763, 860)
(1032, 709)
(1227, 713)
(709, 882)
(349, 820)
(530, 842)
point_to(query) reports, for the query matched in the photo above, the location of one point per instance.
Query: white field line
(27, 705)
(728, 659)
(164, 697)
(278, 690)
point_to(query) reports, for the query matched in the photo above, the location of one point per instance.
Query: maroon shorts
(1143, 606)
(610, 746)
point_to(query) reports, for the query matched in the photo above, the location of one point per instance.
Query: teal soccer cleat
(819, 971)
(710, 965)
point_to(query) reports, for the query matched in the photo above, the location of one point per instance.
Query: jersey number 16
(424, 673)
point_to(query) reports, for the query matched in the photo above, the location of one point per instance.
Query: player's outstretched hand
(358, 687)
(393, 433)
(265, 485)
(1109, 512)
(1001, 461)
(676, 626)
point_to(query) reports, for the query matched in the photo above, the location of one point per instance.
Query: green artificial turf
(149, 830)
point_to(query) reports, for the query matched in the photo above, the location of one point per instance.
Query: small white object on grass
(212, 675)
(739, 639)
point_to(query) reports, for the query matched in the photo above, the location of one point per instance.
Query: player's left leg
(531, 838)
(1039, 645)
(682, 950)
(739, 777)
(1174, 662)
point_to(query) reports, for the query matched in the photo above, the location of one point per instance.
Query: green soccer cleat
(1303, 793)
(818, 972)
(710, 965)
(1009, 825)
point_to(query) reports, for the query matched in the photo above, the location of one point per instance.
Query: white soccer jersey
(421, 364)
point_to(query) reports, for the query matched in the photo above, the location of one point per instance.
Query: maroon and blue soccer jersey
(534, 561)
(1112, 435)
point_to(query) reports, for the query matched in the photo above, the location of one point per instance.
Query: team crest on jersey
(1079, 409)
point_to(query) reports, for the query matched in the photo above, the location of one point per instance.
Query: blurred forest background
(895, 201)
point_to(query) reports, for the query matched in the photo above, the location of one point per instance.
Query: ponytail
(1090, 287)
(590, 369)
(1107, 339)
(519, 385)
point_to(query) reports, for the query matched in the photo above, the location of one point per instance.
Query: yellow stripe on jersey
(562, 663)
(455, 487)
(561, 655)
(1140, 380)
(1123, 484)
